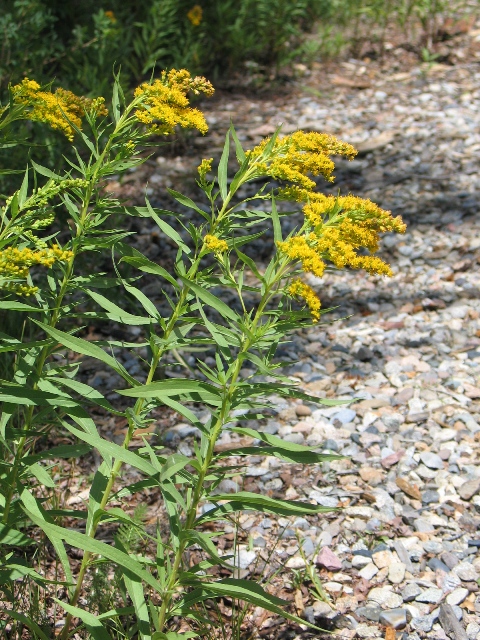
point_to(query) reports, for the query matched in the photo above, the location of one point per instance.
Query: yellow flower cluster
(15, 263)
(60, 110)
(204, 167)
(341, 226)
(301, 290)
(212, 243)
(164, 103)
(195, 15)
(294, 157)
(298, 248)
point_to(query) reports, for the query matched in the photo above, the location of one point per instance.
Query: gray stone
(435, 563)
(410, 592)
(466, 572)
(396, 572)
(430, 495)
(469, 489)
(396, 618)
(473, 631)
(423, 623)
(422, 525)
(432, 595)
(366, 631)
(450, 559)
(370, 612)
(385, 597)
(457, 596)
(431, 460)
(344, 416)
(369, 571)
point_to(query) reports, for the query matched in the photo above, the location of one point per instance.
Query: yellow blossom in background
(164, 102)
(62, 110)
(111, 16)
(15, 264)
(212, 243)
(301, 290)
(195, 15)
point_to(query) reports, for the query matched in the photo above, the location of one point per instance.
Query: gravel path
(404, 550)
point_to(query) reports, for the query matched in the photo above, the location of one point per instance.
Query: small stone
(326, 558)
(410, 592)
(368, 572)
(295, 562)
(366, 631)
(431, 460)
(469, 489)
(385, 597)
(359, 561)
(383, 558)
(243, 558)
(371, 476)
(392, 459)
(473, 631)
(430, 495)
(433, 546)
(370, 611)
(364, 354)
(344, 416)
(303, 411)
(422, 525)
(466, 572)
(457, 596)
(333, 587)
(450, 559)
(437, 565)
(411, 490)
(423, 623)
(396, 618)
(431, 595)
(396, 572)
(420, 416)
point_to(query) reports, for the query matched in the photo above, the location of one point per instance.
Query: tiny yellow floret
(204, 167)
(212, 243)
(301, 290)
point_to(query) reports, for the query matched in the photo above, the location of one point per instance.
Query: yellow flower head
(15, 264)
(298, 248)
(293, 158)
(214, 244)
(195, 15)
(111, 16)
(301, 290)
(164, 103)
(204, 167)
(62, 110)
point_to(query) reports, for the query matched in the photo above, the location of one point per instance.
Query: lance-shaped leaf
(78, 345)
(166, 389)
(245, 500)
(208, 298)
(91, 622)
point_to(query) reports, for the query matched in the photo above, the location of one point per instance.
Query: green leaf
(300, 457)
(115, 313)
(207, 297)
(223, 167)
(13, 537)
(172, 387)
(78, 345)
(41, 475)
(137, 595)
(33, 626)
(13, 305)
(277, 228)
(33, 397)
(187, 202)
(43, 171)
(91, 622)
(246, 500)
(107, 448)
(84, 542)
(167, 229)
(239, 152)
(142, 263)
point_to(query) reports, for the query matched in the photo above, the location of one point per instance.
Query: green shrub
(143, 582)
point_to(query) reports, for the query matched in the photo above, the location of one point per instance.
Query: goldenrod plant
(157, 589)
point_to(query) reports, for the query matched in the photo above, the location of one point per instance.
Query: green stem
(215, 433)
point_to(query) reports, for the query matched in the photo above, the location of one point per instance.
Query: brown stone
(411, 490)
(371, 476)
